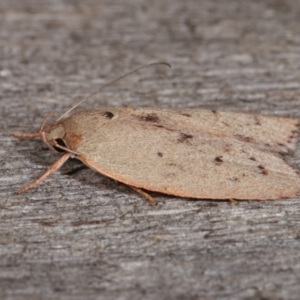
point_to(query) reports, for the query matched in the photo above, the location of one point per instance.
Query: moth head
(53, 137)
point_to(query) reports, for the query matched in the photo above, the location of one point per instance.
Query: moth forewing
(176, 151)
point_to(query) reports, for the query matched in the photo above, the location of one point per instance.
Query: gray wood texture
(80, 235)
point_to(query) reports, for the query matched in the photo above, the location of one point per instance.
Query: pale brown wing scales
(158, 151)
(272, 133)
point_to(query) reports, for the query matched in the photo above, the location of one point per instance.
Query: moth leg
(146, 195)
(25, 135)
(50, 170)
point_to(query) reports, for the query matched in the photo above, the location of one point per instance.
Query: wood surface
(80, 235)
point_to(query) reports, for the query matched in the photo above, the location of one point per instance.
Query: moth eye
(108, 115)
(60, 142)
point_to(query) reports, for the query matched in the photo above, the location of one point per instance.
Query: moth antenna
(111, 82)
(45, 120)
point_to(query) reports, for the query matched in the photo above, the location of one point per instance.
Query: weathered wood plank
(83, 236)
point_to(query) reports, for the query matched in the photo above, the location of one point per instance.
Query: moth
(192, 153)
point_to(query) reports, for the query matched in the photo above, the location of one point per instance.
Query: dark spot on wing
(150, 117)
(292, 136)
(252, 158)
(186, 115)
(233, 179)
(170, 164)
(282, 154)
(108, 115)
(184, 138)
(214, 111)
(262, 170)
(161, 126)
(160, 154)
(174, 166)
(295, 132)
(243, 138)
(219, 160)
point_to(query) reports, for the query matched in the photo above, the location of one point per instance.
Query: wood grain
(81, 235)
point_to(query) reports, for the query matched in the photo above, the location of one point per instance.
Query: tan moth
(192, 153)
